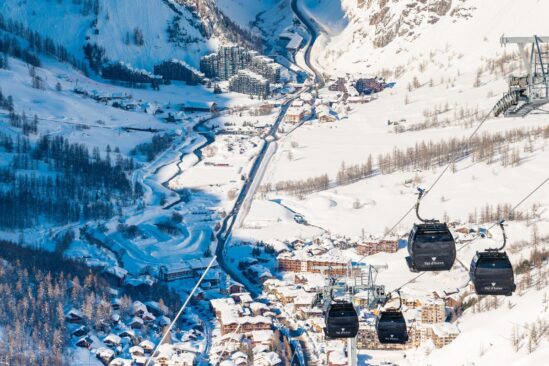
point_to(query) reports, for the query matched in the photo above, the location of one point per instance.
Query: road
(245, 197)
(313, 31)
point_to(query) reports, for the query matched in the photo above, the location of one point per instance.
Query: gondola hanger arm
(420, 194)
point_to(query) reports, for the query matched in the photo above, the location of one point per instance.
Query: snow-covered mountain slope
(367, 36)
(113, 24)
(141, 32)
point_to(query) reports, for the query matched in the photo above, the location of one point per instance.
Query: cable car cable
(181, 310)
(496, 223)
(227, 343)
(390, 231)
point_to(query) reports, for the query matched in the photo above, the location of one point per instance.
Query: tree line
(37, 43)
(425, 155)
(39, 288)
(60, 182)
(151, 149)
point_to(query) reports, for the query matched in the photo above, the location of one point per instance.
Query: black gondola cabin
(391, 327)
(341, 320)
(492, 273)
(431, 247)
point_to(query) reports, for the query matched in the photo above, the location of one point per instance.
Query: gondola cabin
(341, 320)
(492, 273)
(391, 327)
(431, 247)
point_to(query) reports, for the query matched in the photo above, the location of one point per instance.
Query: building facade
(248, 82)
(230, 59)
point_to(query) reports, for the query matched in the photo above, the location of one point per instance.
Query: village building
(199, 106)
(251, 83)
(230, 59)
(297, 114)
(324, 114)
(338, 85)
(301, 262)
(374, 247)
(369, 85)
(444, 334)
(433, 312)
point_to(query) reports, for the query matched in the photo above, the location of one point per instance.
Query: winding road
(247, 192)
(313, 31)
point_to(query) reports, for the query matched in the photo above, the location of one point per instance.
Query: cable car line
(181, 310)
(390, 231)
(491, 227)
(225, 347)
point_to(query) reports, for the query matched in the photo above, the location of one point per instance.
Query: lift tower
(530, 90)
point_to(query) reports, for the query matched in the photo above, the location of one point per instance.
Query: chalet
(324, 114)
(138, 308)
(74, 316)
(175, 272)
(369, 85)
(262, 337)
(195, 106)
(136, 351)
(106, 355)
(148, 317)
(267, 359)
(258, 308)
(147, 346)
(120, 362)
(136, 323)
(186, 359)
(84, 342)
(112, 340)
(156, 308)
(80, 331)
(163, 321)
(295, 43)
(262, 109)
(338, 85)
(140, 360)
(129, 334)
(295, 114)
(236, 288)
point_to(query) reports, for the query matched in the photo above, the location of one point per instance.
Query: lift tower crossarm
(531, 39)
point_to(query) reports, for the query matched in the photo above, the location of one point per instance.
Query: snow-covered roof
(138, 306)
(121, 362)
(116, 271)
(136, 350)
(147, 345)
(258, 306)
(112, 338)
(295, 42)
(267, 359)
(261, 336)
(104, 352)
(445, 329)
